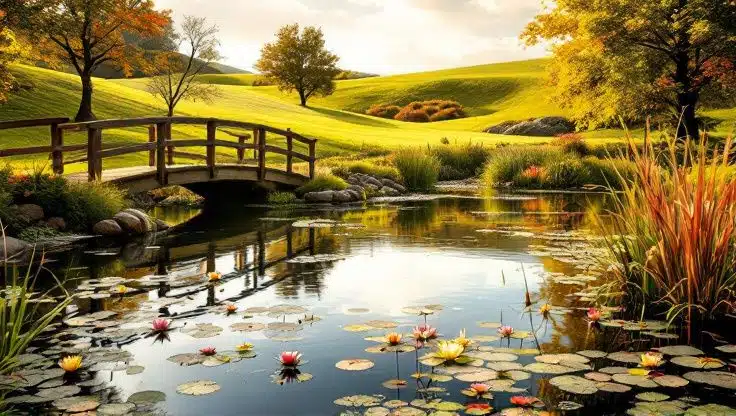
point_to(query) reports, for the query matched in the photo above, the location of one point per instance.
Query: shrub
(90, 202)
(419, 169)
(611, 172)
(507, 163)
(450, 113)
(572, 143)
(568, 172)
(261, 82)
(281, 198)
(460, 161)
(412, 115)
(322, 182)
(344, 170)
(383, 111)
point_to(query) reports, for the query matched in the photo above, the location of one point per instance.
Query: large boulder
(322, 196)
(393, 184)
(161, 225)
(108, 228)
(355, 195)
(388, 191)
(30, 213)
(343, 196)
(148, 224)
(13, 249)
(56, 223)
(130, 223)
(540, 127)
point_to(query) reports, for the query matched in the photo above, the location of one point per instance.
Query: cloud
(380, 36)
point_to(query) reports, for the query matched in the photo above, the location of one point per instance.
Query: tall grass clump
(460, 161)
(345, 169)
(679, 223)
(419, 169)
(520, 165)
(572, 143)
(611, 172)
(322, 182)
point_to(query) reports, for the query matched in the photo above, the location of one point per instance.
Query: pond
(332, 283)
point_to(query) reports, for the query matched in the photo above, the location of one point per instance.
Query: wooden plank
(312, 159)
(91, 154)
(261, 154)
(211, 139)
(236, 134)
(152, 140)
(57, 154)
(285, 152)
(133, 122)
(190, 155)
(37, 122)
(241, 150)
(289, 155)
(127, 149)
(25, 151)
(161, 136)
(186, 143)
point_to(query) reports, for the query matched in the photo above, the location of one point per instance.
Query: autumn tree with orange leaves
(88, 33)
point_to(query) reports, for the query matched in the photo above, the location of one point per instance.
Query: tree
(178, 76)
(88, 33)
(299, 62)
(634, 58)
(10, 51)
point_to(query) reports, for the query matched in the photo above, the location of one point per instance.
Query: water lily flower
(424, 332)
(545, 309)
(290, 358)
(524, 401)
(480, 388)
(119, 289)
(478, 406)
(208, 351)
(594, 314)
(244, 347)
(160, 325)
(449, 350)
(505, 331)
(651, 360)
(462, 339)
(214, 276)
(71, 363)
(231, 308)
(393, 338)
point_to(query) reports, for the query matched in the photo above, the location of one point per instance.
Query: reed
(674, 229)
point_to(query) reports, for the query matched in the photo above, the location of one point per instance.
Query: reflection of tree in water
(309, 278)
(416, 218)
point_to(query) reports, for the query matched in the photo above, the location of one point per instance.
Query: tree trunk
(687, 104)
(85, 106)
(303, 98)
(170, 113)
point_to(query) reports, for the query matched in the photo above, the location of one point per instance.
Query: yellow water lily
(545, 309)
(449, 350)
(71, 363)
(231, 308)
(651, 360)
(463, 340)
(214, 276)
(244, 347)
(393, 338)
(119, 289)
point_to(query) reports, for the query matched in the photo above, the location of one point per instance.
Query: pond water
(332, 290)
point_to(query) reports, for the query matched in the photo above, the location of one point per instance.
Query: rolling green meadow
(490, 93)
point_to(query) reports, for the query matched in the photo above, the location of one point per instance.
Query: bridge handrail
(160, 144)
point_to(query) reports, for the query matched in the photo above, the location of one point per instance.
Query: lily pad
(134, 369)
(560, 358)
(713, 378)
(614, 370)
(58, 392)
(115, 409)
(484, 338)
(632, 380)
(568, 406)
(147, 397)
(728, 349)
(394, 384)
(657, 409)
(247, 326)
(201, 331)
(592, 354)
(358, 311)
(504, 365)
(543, 368)
(382, 324)
(671, 381)
(357, 364)
(393, 404)
(626, 357)
(477, 376)
(359, 400)
(652, 396)
(187, 359)
(711, 410)
(599, 377)
(490, 325)
(77, 403)
(679, 350)
(358, 328)
(612, 387)
(376, 411)
(198, 388)
(574, 384)
(494, 356)
(698, 362)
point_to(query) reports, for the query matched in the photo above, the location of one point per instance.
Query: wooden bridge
(161, 148)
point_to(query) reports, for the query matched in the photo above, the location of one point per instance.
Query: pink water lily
(424, 332)
(208, 351)
(290, 358)
(594, 314)
(160, 325)
(480, 388)
(505, 331)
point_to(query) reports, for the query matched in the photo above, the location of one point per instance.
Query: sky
(375, 36)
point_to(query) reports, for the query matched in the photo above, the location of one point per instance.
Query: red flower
(524, 401)
(208, 351)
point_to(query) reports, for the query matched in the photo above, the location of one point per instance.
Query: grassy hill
(491, 93)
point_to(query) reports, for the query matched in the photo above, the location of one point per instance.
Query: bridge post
(152, 141)
(211, 137)
(241, 151)
(289, 146)
(162, 134)
(57, 149)
(255, 143)
(261, 154)
(94, 161)
(312, 159)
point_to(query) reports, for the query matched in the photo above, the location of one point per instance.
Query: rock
(354, 179)
(356, 188)
(357, 196)
(369, 180)
(541, 127)
(372, 187)
(108, 228)
(57, 223)
(146, 221)
(13, 249)
(30, 213)
(161, 225)
(342, 196)
(130, 223)
(323, 196)
(395, 185)
(388, 191)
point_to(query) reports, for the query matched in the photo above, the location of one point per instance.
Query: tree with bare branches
(178, 76)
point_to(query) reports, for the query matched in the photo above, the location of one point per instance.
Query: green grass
(489, 93)
(322, 182)
(419, 169)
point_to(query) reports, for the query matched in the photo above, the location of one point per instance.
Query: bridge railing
(161, 147)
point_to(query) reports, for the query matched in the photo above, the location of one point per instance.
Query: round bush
(450, 113)
(414, 116)
(383, 111)
(572, 143)
(565, 173)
